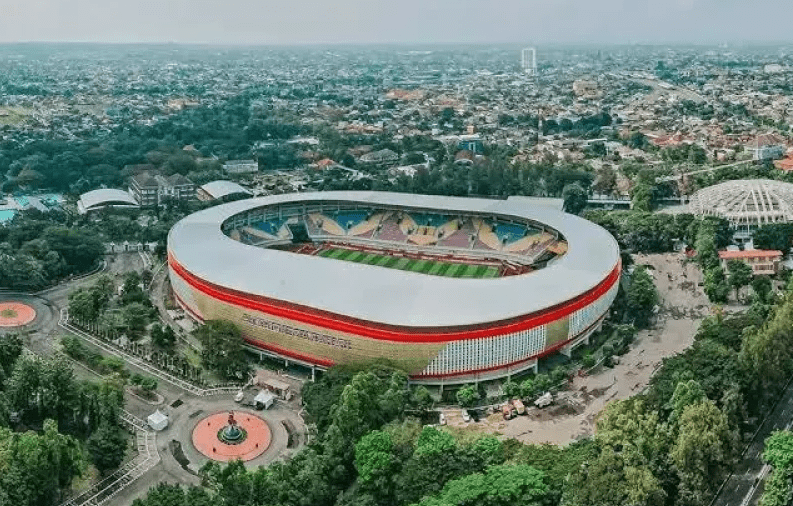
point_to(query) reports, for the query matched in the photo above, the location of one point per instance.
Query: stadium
(746, 203)
(449, 289)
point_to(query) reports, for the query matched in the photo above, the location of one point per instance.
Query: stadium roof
(97, 199)
(746, 201)
(220, 189)
(391, 296)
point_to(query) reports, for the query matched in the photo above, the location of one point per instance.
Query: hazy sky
(397, 21)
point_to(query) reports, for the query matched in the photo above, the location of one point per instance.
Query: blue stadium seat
(348, 219)
(509, 232)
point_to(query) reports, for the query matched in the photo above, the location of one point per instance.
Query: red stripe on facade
(394, 333)
(187, 308)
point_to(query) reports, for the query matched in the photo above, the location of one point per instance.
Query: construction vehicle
(545, 400)
(520, 408)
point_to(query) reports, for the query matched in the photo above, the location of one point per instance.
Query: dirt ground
(572, 416)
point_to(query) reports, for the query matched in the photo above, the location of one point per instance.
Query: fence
(140, 359)
(147, 457)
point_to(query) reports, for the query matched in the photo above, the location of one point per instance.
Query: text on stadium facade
(308, 335)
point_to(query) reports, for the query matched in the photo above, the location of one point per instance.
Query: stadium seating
(366, 229)
(509, 232)
(312, 224)
(422, 229)
(348, 219)
(558, 247)
(485, 238)
(406, 224)
(257, 233)
(459, 238)
(429, 220)
(391, 230)
(271, 226)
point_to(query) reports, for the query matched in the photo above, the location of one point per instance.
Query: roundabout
(227, 436)
(16, 314)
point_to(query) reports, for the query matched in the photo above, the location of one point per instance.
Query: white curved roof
(106, 196)
(391, 296)
(746, 201)
(219, 189)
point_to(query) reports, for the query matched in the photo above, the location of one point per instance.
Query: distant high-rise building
(528, 61)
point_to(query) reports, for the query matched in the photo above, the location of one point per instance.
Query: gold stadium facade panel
(320, 311)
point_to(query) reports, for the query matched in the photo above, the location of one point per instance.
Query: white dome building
(746, 203)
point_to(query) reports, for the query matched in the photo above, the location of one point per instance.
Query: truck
(508, 410)
(520, 408)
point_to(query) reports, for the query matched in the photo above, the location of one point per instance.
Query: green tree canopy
(504, 484)
(642, 297)
(574, 197)
(223, 349)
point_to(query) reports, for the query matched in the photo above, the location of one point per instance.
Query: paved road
(743, 488)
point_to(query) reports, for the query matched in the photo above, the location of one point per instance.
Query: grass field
(432, 267)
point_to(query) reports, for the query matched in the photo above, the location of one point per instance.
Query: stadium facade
(554, 277)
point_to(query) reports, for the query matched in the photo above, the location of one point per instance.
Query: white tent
(158, 420)
(264, 399)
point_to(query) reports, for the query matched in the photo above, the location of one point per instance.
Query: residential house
(762, 262)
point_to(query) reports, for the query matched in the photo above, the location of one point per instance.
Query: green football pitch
(432, 267)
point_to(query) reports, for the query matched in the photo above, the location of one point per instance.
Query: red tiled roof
(784, 164)
(752, 253)
(767, 140)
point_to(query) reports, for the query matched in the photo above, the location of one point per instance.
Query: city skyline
(414, 22)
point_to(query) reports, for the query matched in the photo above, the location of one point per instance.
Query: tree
(373, 458)
(610, 480)
(163, 336)
(762, 287)
(10, 350)
(467, 396)
(740, 274)
(38, 466)
(528, 389)
(778, 490)
(638, 140)
(641, 297)
(432, 441)
(421, 398)
(504, 484)
(107, 447)
(716, 287)
(779, 449)
(687, 393)
(510, 389)
(574, 197)
(164, 494)
(223, 349)
(642, 198)
(774, 236)
(702, 451)
(606, 181)
(79, 248)
(136, 317)
(630, 427)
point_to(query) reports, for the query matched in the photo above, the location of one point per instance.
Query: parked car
(442, 419)
(466, 416)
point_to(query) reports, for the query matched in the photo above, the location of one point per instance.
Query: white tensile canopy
(264, 399)
(158, 420)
